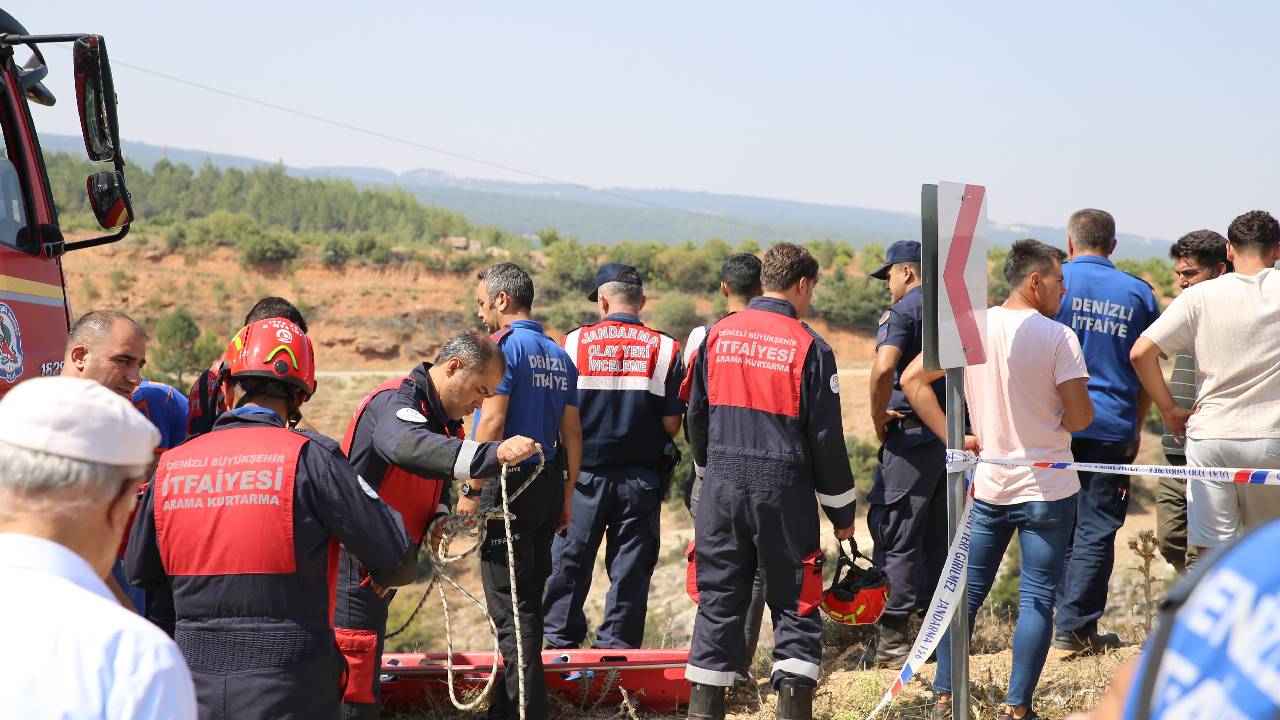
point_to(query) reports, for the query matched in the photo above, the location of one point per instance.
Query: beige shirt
(1016, 409)
(1231, 325)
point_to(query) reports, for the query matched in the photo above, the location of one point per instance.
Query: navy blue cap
(899, 252)
(614, 272)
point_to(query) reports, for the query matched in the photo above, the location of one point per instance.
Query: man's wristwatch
(468, 490)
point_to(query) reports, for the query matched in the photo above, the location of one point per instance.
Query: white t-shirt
(1231, 325)
(1015, 407)
(71, 651)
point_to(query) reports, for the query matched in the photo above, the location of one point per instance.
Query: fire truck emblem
(10, 344)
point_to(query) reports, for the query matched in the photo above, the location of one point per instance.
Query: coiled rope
(451, 527)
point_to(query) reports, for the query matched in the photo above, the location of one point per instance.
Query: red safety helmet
(274, 348)
(857, 596)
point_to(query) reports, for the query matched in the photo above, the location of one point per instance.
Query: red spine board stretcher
(654, 679)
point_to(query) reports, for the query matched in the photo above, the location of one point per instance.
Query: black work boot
(706, 702)
(795, 699)
(892, 645)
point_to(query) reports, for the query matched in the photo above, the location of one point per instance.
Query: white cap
(76, 418)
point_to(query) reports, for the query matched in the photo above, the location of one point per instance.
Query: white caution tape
(958, 460)
(947, 598)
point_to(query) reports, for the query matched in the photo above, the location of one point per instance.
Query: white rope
(515, 598)
(476, 527)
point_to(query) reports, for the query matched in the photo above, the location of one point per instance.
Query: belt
(229, 651)
(910, 422)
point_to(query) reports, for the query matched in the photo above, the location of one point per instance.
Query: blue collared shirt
(540, 381)
(1108, 309)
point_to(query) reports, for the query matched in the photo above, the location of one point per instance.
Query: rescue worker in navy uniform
(629, 401)
(764, 422)
(205, 403)
(243, 523)
(739, 283)
(538, 398)
(907, 516)
(406, 441)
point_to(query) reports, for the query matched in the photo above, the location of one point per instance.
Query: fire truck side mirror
(96, 100)
(109, 199)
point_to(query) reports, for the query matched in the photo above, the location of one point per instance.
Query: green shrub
(269, 248)
(854, 302)
(570, 270)
(997, 286)
(689, 269)
(223, 227)
(174, 237)
(336, 252)
(675, 314)
(380, 254)
(871, 257)
(464, 262)
(565, 316)
(176, 335)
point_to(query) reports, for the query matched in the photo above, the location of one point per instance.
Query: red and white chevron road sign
(962, 274)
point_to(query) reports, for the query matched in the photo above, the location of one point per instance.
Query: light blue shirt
(71, 650)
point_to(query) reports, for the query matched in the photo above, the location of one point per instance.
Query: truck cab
(34, 314)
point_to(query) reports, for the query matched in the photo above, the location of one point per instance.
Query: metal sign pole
(953, 239)
(956, 492)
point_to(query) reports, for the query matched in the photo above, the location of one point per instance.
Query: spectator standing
(1107, 309)
(71, 458)
(907, 513)
(1024, 403)
(110, 348)
(1231, 326)
(1197, 256)
(537, 398)
(739, 284)
(629, 401)
(205, 401)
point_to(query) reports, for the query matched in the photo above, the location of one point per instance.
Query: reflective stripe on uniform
(797, 667)
(462, 466)
(838, 501)
(702, 676)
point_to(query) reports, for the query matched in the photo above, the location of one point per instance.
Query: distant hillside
(523, 208)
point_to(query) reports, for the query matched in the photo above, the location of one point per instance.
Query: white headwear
(76, 418)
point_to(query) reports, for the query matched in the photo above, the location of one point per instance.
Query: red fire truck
(34, 318)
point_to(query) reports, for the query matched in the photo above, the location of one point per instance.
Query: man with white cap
(72, 454)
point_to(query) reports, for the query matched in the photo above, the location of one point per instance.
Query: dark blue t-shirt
(1223, 656)
(1108, 309)
(540, 381)
(902, 326)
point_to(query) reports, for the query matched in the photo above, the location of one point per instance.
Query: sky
(1164, 113)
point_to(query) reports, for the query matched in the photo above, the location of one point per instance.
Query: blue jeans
(1101, 507)
(1044, 530)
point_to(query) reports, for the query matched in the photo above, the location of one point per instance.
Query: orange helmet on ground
(275, 349)
(857, 596)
